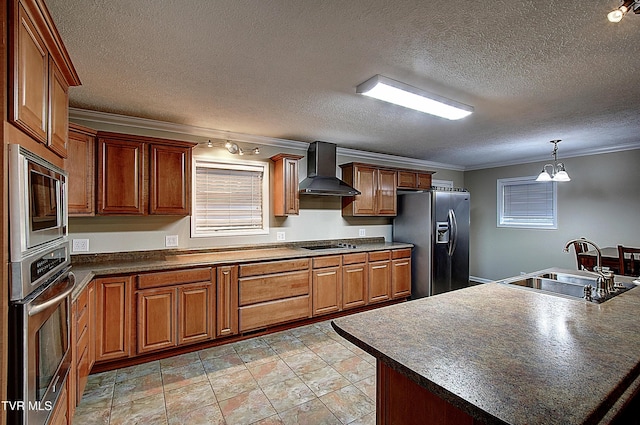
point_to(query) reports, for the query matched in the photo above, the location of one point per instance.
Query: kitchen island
(499, 354)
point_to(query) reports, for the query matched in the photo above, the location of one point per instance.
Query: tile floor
(307, 375)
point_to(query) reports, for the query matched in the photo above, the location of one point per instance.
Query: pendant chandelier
(558, 173)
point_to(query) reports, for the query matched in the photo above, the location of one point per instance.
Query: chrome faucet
(605, 283)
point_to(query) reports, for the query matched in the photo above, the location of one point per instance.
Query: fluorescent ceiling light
(402, 94)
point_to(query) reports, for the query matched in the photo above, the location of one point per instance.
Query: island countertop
(510, 355)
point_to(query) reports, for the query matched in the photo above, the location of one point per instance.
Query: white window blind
(525, 203)
(229, 199)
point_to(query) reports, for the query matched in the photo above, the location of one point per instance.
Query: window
(230, 198)
(525, 203)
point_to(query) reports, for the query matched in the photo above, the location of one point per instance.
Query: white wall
(320, 216)
(601, 203)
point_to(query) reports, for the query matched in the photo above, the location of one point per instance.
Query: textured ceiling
(533, 70)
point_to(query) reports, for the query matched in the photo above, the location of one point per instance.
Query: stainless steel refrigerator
(437, 223)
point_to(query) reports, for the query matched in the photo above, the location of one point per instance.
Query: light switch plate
(171, 241)
(280, 236)
(80, 245)
(362, 232)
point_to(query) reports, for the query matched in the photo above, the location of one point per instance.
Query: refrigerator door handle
(454, 232)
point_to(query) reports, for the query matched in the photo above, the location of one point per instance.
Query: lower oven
(40, 356)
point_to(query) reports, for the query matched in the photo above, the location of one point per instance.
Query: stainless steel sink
(565, 285)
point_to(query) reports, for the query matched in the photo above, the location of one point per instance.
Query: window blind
(227, 198)
(527, 203)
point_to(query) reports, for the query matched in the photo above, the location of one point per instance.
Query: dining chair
(628, 268)
(580, 247)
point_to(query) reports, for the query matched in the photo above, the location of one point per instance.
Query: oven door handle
(37, 308)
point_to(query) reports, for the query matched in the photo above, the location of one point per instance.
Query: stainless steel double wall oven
(41, 286)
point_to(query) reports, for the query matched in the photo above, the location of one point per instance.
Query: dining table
(610, 259)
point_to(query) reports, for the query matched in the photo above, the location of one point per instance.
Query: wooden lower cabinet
(227, 301)
(379, 277)
(113, 317)
(175, 308)
(156, 319)
(354, 280)
(327, 285)
(85, 341)
(196, 308)
(401, 273)
(60, 414)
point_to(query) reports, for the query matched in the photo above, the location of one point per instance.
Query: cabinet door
(365, 181)
(327, 290)
(379, 281)
(407, 179)
(80, 169)
(170, 185)
(31, 79)
(120, 177)
(195, 313)
(401, 277)
(156, 319)
(285, 195)
(58, 111)
(354, 285)
(386, 193)
(227, 301)
(424, 180)
(113, 317)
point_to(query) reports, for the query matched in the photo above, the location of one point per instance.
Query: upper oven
(37, 193)
(37, 221)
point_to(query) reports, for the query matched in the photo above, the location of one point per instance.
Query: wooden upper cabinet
(286, 200)
(140, 175)
(121, 172)
(31, 78)
(80, 166)
(377, 188)
(170, 185)
(412, 179)
(41, 74)
(58, 111)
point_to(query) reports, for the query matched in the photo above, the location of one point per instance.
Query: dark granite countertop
(86, 267)
(510, 355)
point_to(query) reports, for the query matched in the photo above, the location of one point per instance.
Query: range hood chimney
(321, 173)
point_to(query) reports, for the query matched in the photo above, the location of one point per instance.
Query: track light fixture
(233, 148)
(558, 173)
(617, 14)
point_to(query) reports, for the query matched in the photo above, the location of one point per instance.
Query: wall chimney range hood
(321, 173)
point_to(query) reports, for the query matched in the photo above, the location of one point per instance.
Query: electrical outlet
(280, 236)
(362, 232)
(171, 241)
(80, 245)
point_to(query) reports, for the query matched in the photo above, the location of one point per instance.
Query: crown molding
(401, 161)
(565, 155)
(209, 133)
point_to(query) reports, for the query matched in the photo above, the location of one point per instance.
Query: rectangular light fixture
(392, 91)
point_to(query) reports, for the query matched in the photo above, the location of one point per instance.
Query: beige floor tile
(186, 399)
(312, 412)
(93, 416)
(148, 410)
(98, 397)
(324, 380)
(332, 352)
(231, 384)
(368, 387)
(135, 388)
(137, 371)
(177, 377)
(206, 415)
(222, 365)
(219, 351)
(305, 361)
(179, 361)
(247, 408)
(369, 419)
(101, 380)
(287, 394)
(354, 368)
(272, 372)
(348, 404)
(271, 420)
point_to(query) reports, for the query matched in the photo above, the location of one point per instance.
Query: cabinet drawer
(401, 253)
(82, 340)
(174, 277)
(379, 255)
(82, 300)
(82, 370)
(273, 287)
(274, 312)
(82, 323)
(329, 261)
(356, 258)
(270, 267)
